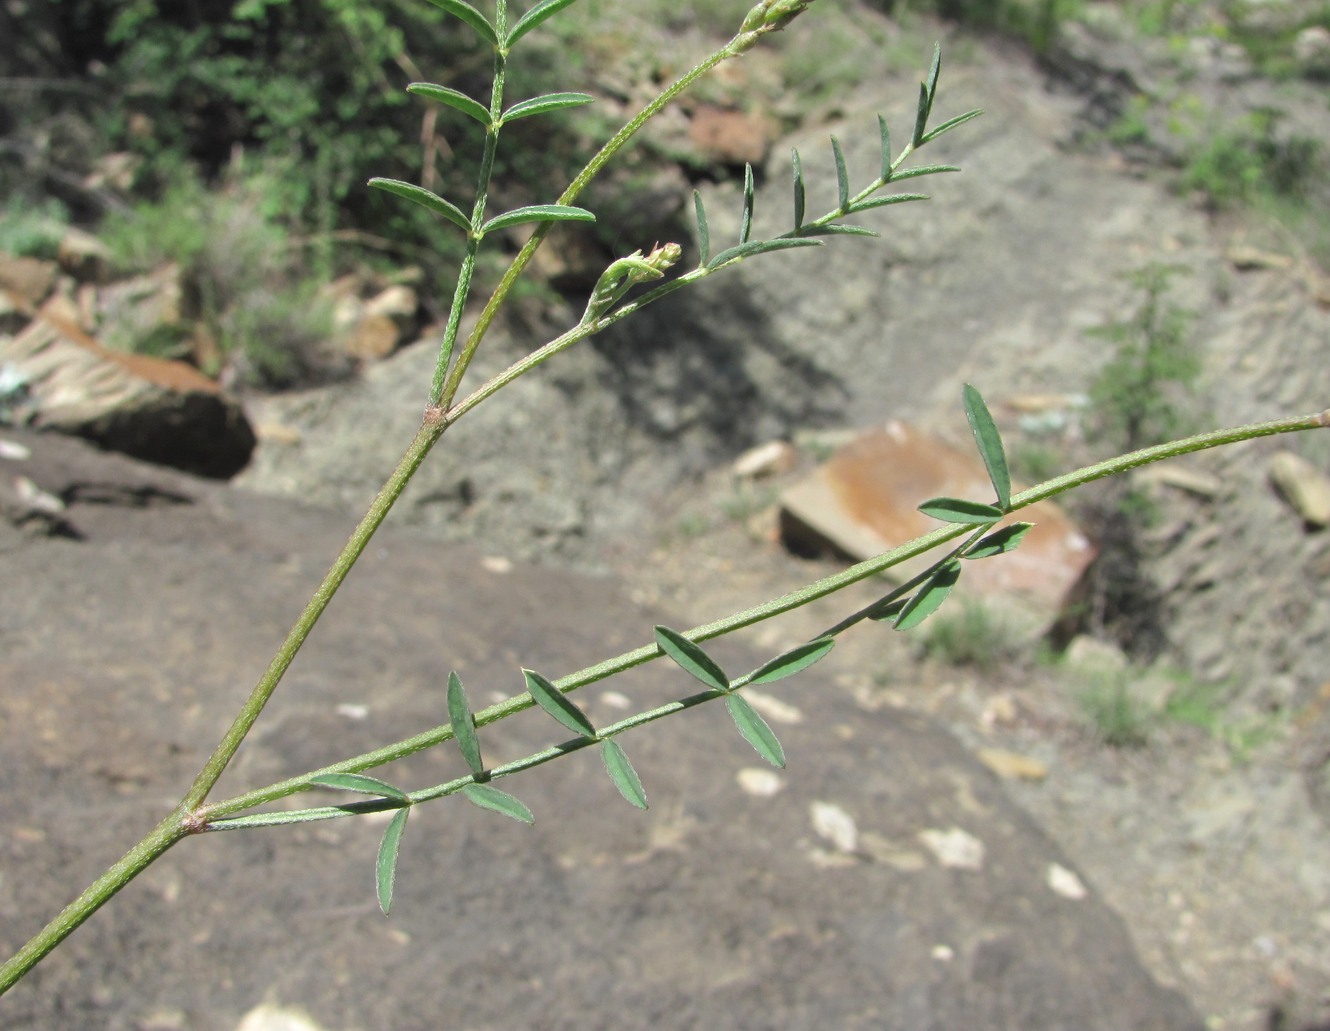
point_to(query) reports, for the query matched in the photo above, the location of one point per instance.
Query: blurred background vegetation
(234, 138)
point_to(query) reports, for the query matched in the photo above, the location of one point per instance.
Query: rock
(864, 501)
(1091, 654)
(26, 282)
(769, 459)
(731, 137)
(162, 411)
(83, 256)
(373, 337)
(146, 309)
(1304, 487)
(1311, 49)
(1012, 765)
(717, 908)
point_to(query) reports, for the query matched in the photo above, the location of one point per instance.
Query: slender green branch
(770, 609)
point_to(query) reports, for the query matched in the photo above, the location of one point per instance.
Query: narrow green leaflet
(927, 91)
(990, 444)
(800, 198)
(464, 724)
(537, 213)
(1000, 541)
(489, 797)
(882, 202)
(930, 596)
(534, 17)
(791, 662)
(914, 173)
(423, 197)
(755, 730)
(622, 773)
(840, 229)
(885, 134)
(546, 102)
(691, 658)
(958, 510)
(558, 704)
(385, 867)
(472, 17)
(454, 99)
(362, 785)
(746, 226)
(703, 230)
(950, 124)
(747, 250)
(842, 176)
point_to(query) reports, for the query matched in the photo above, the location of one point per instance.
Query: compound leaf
(1000, 541)
(537, 213)
(546, 102)
(791, 662)
(990, 444)
(558, 704)
(385, 867)
(533, 17)
(930, 596)
(489, 797)
(755, 730)
(454, 99)
(362, 785)
(472, 17)
(464, 724)
(622, 773)
(423, 197)
(692, 659)
(747, 250)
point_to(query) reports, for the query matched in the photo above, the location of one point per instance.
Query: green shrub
(972, 634)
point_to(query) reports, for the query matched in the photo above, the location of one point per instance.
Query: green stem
(593, 167)
(767, 610)
(465, 273)
(133, 863)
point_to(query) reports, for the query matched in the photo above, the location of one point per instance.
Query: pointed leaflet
(533, 17)
(558, 704)
(1000, 541)
(703, 230)
(841, 229)
(537, 213)
(491, 798)
(927, 91)
(472, 17)
(755, 730)
(958, 510)
(747, 250)
(791, 662)
(362, 785)
(691, 658)
(746, 225)
(546, 102)
(423, 197)
(385, 867)
(950, 124)
(842, 176)
(990, 444)
(800, 199)
(913, 173)
(464, 724)
(881, 202)
(930, 596)
(885, 133)
(454, 99)
(622, 773)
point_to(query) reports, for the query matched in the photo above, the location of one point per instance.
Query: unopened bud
(664, 255)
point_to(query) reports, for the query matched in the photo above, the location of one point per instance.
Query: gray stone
(714, 909)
